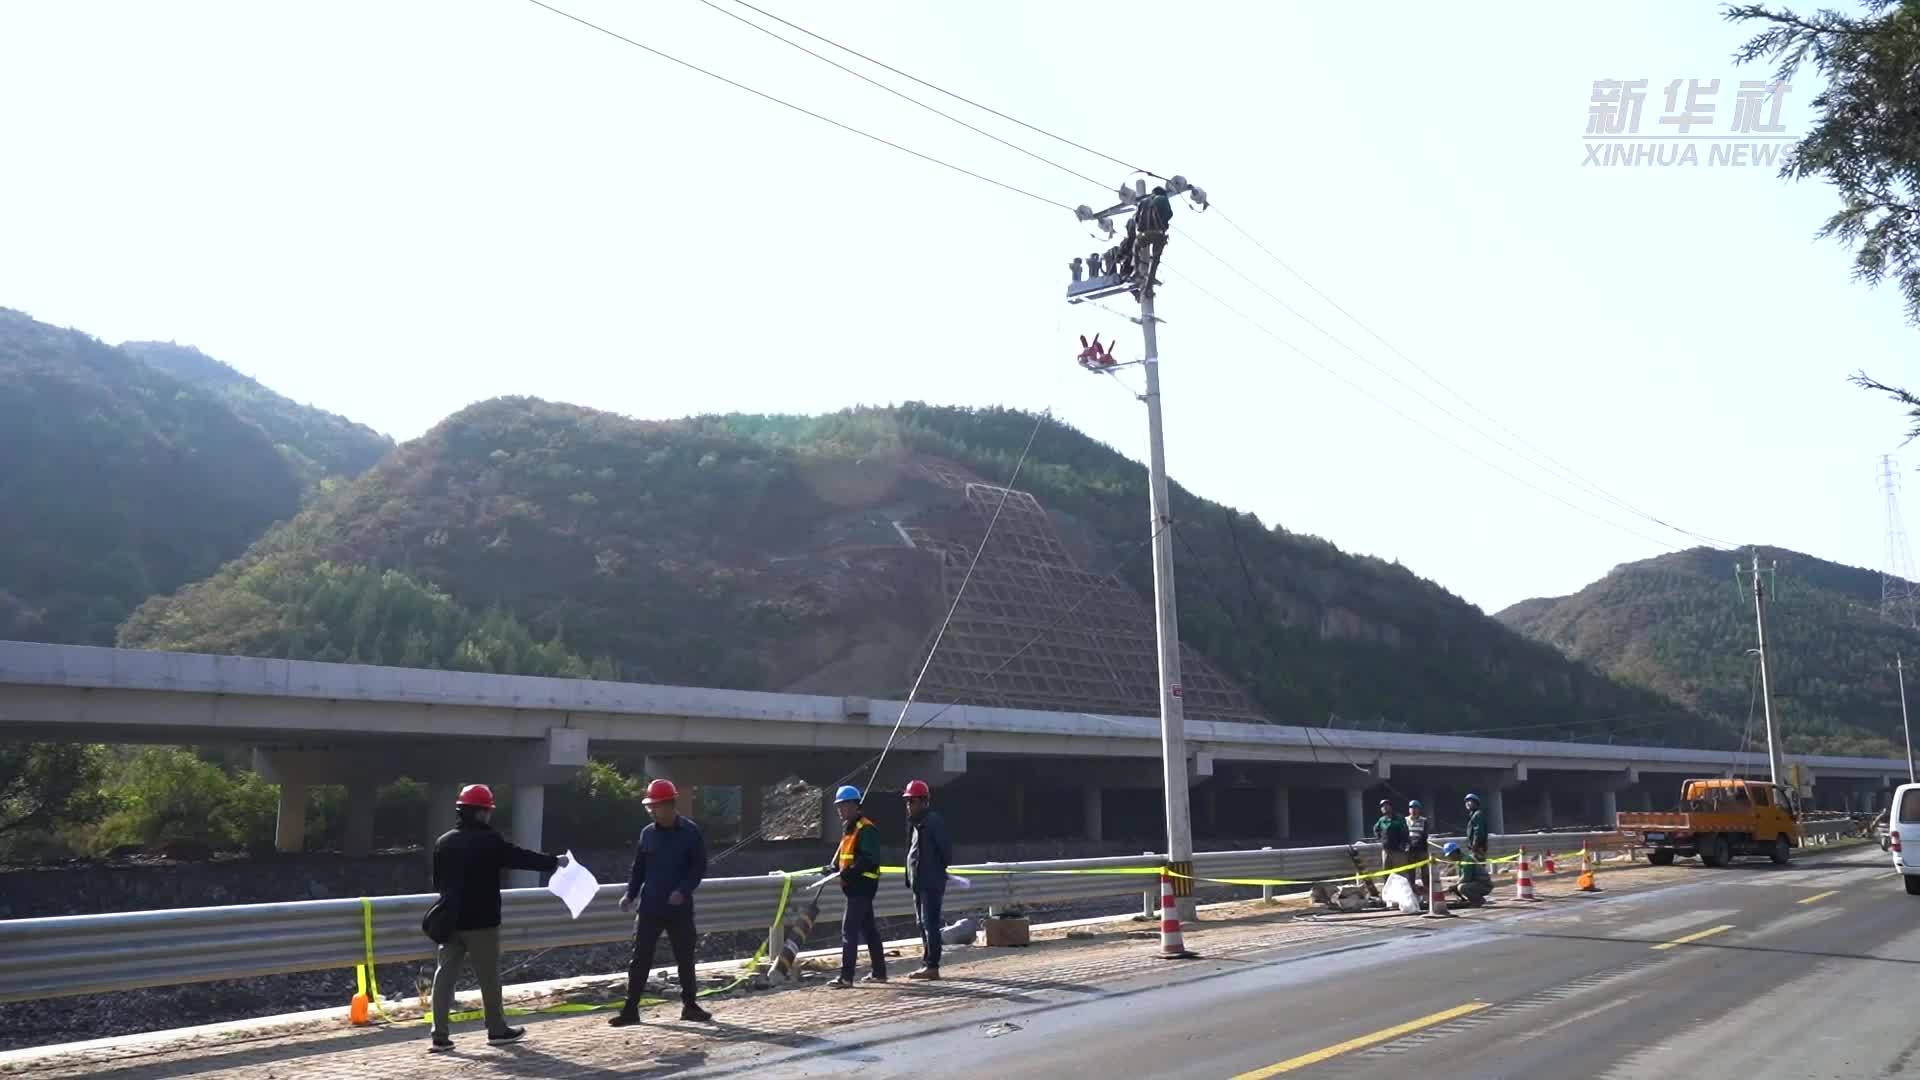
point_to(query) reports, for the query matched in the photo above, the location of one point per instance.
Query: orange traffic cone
(1523, 878)
(1547, 864)
(357, 1011)
(1586, 871)
(1173, 944)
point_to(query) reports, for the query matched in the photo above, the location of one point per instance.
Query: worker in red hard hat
(466, 872)
(929, 853)
(668, 863)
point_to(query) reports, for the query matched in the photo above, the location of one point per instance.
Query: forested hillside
(120, 481)
(1683, 625)
(755, 551)
(317, 443)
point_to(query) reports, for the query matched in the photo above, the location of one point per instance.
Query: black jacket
(466, 872)
(929, 853)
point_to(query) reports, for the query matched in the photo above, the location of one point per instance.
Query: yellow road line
(1364, 1041)
(1818, 896)
(1696, 936)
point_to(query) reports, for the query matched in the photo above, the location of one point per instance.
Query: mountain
(120, 481)
(821, 554)
(1682, 625)
(318, 444)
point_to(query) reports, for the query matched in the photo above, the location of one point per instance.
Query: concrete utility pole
(1900, 668)
(1766, 693)
(1130, 268)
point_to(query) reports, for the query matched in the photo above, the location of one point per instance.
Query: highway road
(1756, 970)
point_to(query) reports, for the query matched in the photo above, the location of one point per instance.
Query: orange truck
(1717, 820)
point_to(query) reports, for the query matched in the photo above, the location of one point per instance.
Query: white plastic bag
(574, 885)
(1399, 893)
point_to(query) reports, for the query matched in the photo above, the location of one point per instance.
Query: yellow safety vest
(852, 840)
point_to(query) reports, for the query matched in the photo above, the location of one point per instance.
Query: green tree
(168, 794)
(48, 786)
(1867, 119)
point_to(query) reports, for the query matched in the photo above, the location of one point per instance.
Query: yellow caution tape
(1156, 871)
(368, 976)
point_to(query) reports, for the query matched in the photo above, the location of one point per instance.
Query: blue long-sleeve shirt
(666, 861)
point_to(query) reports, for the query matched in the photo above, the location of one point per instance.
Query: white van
(1903, 834)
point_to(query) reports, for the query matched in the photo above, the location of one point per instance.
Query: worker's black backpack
(438, 922)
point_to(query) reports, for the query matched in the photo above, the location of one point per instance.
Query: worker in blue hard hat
(857, 862)
(1473, 886)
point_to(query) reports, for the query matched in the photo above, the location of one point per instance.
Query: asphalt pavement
(1751, 970)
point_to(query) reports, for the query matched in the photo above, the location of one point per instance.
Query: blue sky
(393, 210)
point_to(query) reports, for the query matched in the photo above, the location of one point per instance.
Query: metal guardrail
(95, 954)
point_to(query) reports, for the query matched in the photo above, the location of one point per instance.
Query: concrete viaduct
(1021, 772)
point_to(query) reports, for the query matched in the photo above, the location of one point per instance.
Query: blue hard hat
(1471, 797)
(847, 793)
(1451, 849)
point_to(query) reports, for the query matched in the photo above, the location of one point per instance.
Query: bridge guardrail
(93, 954)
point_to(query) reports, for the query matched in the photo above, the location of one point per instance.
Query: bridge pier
(529, 825)
(1356, 811)
(290, 824)
(753, 809)
(1282, 813)
(439, 812)
(1093, 802)
(1546, 807)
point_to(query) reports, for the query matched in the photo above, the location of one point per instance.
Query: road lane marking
(1818, 896)
(1362, 1042)
(1709, 932)
(1577, 1017)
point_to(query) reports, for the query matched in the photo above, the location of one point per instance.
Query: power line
(1086, 594)
(905, 97)
(1404, 415)
(801, 109)
(1567, 472)
(959, 594)
(1456, 417)
(949, 93)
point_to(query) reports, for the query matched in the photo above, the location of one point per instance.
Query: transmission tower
(1899, 595)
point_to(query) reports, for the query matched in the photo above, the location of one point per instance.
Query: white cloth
(574, 885)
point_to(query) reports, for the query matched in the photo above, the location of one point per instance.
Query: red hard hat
(916, 789)
(475, 795)
(660, 791)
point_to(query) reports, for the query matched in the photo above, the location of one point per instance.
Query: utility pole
(1129, 267)
(1900, 668)
(1766, 693)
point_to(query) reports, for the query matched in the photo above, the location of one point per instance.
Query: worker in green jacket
(1477, 834)
(1390, 832)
